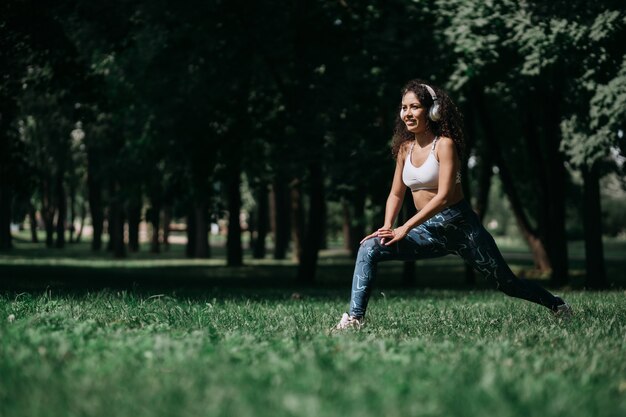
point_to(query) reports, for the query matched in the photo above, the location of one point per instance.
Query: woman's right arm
(396, 195)
(395, 199)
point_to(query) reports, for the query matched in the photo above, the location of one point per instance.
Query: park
(185, 186)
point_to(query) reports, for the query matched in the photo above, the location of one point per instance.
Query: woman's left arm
(448, 167)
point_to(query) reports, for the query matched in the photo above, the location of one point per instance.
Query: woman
(427, 145)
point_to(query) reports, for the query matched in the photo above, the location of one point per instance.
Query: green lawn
(82, 334)
(268, 352)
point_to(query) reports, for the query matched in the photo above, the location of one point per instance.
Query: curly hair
(450, 124)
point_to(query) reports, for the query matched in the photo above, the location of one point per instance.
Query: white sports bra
(426, 177)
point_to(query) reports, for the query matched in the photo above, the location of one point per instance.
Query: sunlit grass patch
(266, 353)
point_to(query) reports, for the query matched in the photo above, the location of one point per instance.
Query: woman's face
(413, 114)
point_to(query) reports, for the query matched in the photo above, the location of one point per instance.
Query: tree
(588, 140)
(518, 65)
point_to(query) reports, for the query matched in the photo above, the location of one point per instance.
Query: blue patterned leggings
(456, 229)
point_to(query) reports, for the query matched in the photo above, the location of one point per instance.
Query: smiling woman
(427, 145)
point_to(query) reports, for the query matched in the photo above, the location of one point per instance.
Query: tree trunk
(469, 273)
(272, 212)
(8, 112)
(116, 223)
(485, 173)
(537, 248)
(297, 219)
(281, 218)
(190, 248)
(62, 210)
(378, 212)
(201, 247)
(108, 230)
(353, 222)
(557, 236)
(72, 208)
(49, 226)
(346, 228)
(537, 238)
(95, 207)
(32, 216)
(358, 222)
(324, 226)
(252, 232)
(47, 212)
(262, 222)
(592, 223)
(134, 219)
(154, 218)
(83, 214)
(5, 215)
(307, 266)
(167, 220)
(535, 243)
(234, 252)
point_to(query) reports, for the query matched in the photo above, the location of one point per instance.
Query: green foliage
(476, 33)
(591, 132)
(267, 354)
(176, 98)
(613, 213)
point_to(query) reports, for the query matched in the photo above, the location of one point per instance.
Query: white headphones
(434, 113)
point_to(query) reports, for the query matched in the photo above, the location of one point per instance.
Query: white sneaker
(348, 322)
(563, 311)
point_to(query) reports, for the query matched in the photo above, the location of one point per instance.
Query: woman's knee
(371, 248)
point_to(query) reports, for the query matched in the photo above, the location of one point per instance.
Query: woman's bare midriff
(422, 197)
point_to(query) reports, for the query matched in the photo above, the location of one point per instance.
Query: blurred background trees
(273, 119)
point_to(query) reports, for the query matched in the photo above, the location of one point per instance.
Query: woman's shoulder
(445, 143)
(444, 140)
(445, 146)
(406, 146)
(404, 150)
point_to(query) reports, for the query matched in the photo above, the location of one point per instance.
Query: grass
(82, 334)
(243, 352)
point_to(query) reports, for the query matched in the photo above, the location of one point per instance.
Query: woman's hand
(388, 235)
(382, 233)
(396, 235)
